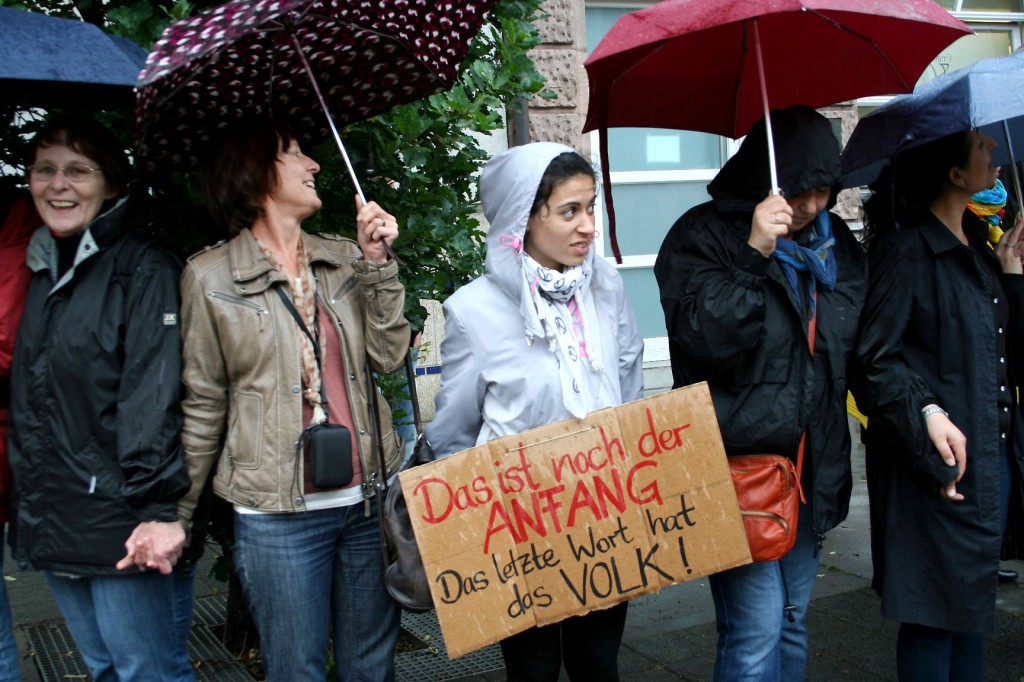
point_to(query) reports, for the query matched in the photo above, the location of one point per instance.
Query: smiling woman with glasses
(95, 415)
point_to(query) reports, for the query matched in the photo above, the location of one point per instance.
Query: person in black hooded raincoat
(740, 278)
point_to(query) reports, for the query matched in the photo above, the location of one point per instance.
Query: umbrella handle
(337, 137)
(764, 102)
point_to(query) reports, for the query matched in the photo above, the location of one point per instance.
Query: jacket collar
(937, 236)
(253, 273)
(940, 239)
(103, 231)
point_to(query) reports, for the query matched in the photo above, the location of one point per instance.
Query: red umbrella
(292, 59)
(717, 66)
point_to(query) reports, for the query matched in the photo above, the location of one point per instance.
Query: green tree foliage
(419, 161)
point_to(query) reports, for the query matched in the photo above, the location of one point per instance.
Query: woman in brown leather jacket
(256, 377)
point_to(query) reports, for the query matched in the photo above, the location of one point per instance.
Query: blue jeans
(588, 644)
(10, 670)
(925, 654)
(756, 640)
(298, 569)
(125, 626)
(184, 579)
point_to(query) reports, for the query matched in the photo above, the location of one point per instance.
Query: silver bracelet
(932, 409)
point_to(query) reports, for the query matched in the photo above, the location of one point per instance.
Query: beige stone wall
(848, 207)
(560, 59)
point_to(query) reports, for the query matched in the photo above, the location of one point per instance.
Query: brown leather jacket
(242, 367)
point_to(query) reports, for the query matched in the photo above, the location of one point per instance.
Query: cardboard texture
(575, 516)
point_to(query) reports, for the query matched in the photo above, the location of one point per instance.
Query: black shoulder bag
(328, 446)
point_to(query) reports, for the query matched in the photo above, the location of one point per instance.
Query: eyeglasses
(74, 173)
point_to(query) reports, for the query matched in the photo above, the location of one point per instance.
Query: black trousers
(587, 644)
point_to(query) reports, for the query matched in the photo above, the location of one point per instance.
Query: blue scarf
(816, 258)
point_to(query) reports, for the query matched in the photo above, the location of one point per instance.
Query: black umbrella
(51, 62)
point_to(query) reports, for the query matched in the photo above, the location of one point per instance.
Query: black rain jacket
(95, 416)
(734, 321)
(929, 336)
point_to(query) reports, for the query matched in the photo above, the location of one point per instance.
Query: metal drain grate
(212, 661)
(58, 659)
(432, 664)
(55, 652)
(209, 611)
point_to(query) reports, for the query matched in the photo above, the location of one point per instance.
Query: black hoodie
(734, 322)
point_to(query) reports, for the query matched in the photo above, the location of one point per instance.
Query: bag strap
(380, 485)
(811, 334)
(305, 330)
(410, 375)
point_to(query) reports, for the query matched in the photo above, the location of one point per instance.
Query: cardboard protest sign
(575, 516)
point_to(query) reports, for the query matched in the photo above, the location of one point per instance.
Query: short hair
(89, 138)
(565, 166)
(241, 172)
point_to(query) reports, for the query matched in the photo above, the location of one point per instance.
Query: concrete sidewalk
(669, 635)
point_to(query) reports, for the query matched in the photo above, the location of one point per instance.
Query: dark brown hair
(242, 172)
(565, 166)
(906, 189)
(86, 137)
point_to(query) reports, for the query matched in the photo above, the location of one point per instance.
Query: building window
(656, 176)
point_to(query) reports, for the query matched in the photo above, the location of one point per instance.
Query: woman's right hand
(952, 446)
(1010, 250)
(375, 229)
(771, 220)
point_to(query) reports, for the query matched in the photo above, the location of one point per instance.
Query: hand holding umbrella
(1010, 249)
(771, 221)
(376, 229)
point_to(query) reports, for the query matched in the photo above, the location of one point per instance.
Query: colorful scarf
(303, 290)
(989, 205)
(816, 258)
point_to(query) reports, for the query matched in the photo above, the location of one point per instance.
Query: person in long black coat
(939, 354)
(738, 311)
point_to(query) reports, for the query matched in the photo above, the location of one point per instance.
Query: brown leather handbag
(768, 492)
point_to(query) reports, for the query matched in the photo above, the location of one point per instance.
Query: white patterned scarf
(553, 307)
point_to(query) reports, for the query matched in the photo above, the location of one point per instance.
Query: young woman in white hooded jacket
(547, 333)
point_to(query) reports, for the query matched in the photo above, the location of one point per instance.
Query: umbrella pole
(337, 137)
(330, 120)
(764, 101)
(1013, 167)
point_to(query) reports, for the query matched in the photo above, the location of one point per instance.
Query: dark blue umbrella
(981, 95)
(50, 62)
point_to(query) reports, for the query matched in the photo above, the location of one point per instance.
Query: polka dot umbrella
(318, 64)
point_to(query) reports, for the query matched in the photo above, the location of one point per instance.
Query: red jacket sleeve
(17, 229)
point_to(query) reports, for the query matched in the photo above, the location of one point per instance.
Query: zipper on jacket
(261, 312)
(348, 376)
